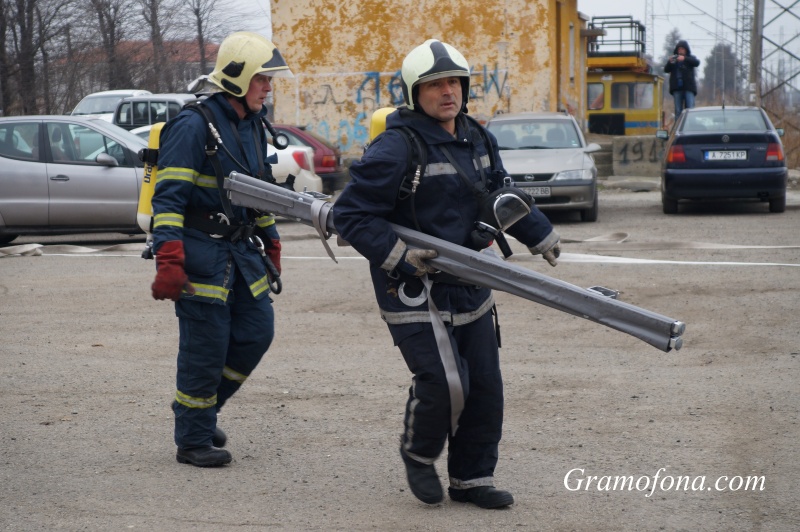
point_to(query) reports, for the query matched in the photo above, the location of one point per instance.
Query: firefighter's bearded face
(260, 86)
(441, 99)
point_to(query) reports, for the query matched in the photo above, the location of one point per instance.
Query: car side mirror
(780, 131)
(662, 134)
(593, 147)
(106, 160)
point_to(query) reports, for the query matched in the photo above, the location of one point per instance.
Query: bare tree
(670, 40)
(202, 13)
(720, 76)
(23, 33)
(5, 65)
(54, 52)
(213, 20)
(50, 22)
(111, 15)
(156, 14)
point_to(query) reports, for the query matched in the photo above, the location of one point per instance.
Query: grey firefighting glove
(552, 254)
(549, 248)
(413, 262)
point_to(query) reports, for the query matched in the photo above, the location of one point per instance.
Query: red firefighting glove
(272, 247)
(171, 278)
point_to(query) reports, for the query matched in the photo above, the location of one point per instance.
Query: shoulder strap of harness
(417, 162)
(212, 135)
(418, 158)
(482, 130)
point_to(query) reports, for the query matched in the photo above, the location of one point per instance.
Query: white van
(103, 104)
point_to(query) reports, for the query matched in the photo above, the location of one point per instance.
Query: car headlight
(574, 175)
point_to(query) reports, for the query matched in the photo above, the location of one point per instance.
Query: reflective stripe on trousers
(220, 345)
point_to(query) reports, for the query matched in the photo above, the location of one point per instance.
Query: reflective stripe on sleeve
(206, 181)
(394, 256)
(167, 219)
(265, 221)
(177, 174)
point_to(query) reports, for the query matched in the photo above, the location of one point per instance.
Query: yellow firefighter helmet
(241, 56)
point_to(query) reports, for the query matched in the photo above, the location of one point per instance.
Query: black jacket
(682, 70)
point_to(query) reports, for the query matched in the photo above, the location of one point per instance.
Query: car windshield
(535, 134)
(96, 105)
(724, 120)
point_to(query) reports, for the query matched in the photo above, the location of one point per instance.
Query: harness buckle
(223, 220)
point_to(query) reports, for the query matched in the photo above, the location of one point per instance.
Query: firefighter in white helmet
(212, 258)
(443, 327)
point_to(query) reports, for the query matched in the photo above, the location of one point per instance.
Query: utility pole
(649, 23)
(754, 80)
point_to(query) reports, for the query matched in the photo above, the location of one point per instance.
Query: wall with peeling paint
(525, 55)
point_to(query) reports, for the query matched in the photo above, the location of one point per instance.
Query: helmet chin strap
(242, 100)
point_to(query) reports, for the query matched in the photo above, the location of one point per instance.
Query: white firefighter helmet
(241, 56)
(433, 60)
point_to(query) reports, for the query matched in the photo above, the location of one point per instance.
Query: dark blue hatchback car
(723, 153)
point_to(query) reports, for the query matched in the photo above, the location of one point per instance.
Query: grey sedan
(67, 174)
(547, 155)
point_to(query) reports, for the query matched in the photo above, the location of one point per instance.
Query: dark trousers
(472, 452)
(219, 347)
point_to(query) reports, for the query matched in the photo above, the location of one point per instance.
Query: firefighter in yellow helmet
(216, 261)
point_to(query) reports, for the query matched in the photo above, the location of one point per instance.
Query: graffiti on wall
(327, 101)
(638, 155)
(637, 151)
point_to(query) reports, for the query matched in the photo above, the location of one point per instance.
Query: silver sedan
(547, 155)
(67, 174)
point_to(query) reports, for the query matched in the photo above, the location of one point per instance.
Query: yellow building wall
(346, 57)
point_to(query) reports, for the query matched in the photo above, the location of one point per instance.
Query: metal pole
(756, 34)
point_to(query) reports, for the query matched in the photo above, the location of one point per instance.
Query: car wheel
(590, 214)
(5, 239)
(777, 204)
(669, 205)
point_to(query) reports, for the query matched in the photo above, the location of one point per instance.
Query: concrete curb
(633, 184)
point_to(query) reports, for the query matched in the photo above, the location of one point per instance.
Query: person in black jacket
(682, 82)
(444, 328)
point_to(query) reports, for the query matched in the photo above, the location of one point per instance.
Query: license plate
(739, 155)
(538, 192)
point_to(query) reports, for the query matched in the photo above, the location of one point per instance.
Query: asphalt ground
(708, 435)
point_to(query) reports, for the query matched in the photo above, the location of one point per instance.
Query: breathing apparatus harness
(222, 224)
(498, 209)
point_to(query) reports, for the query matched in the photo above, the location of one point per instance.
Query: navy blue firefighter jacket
(186, 183)
(446, 207)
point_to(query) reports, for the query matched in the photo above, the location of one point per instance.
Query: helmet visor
(275, 67)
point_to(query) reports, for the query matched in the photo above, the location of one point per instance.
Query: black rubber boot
(423, 480)
(219, 439)
(204, 456)
(483, 496)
